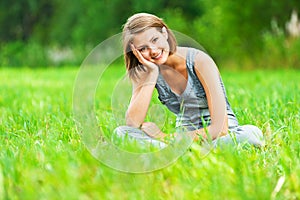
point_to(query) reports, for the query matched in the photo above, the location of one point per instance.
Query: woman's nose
(153, 49)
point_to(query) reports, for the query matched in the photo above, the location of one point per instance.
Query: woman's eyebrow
(140, 47)
(152, 38)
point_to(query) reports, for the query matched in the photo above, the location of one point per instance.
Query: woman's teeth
(157, 55)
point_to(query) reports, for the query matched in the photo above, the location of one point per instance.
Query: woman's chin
(161, 62)
(163, 59)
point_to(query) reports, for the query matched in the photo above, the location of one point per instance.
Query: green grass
(42, 156)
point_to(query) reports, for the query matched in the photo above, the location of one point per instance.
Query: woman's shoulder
(183, 51)
(198, 57)
(193, 56)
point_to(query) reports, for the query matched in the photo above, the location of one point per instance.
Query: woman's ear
(164, 32)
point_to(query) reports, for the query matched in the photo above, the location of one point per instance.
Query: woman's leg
(138, 135)
(242, 134)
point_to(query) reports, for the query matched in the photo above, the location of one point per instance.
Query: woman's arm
(208, 74)
(143, 88)
(209, 77)
(140, 100)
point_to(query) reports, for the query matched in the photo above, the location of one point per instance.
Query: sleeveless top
(190, 107)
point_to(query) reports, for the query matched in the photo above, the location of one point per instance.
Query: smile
(158, 56)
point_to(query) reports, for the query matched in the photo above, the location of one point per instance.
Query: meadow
(42, 155)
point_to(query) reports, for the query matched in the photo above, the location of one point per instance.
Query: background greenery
(61, 32)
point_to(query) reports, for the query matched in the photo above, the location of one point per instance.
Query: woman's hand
(152, 130)
(150, 65)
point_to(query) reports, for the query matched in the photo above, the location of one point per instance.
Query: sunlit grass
(42, 156)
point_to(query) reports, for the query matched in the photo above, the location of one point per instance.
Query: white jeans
(138, 135)
(241, 134)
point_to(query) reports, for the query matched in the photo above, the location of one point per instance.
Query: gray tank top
(190, 107)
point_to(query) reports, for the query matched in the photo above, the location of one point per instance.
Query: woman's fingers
(137, 54)
(141, 59)
(151, 129)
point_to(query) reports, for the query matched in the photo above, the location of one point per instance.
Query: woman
(188, 83)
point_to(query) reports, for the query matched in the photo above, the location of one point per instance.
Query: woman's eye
(154, 40)
(143, 49)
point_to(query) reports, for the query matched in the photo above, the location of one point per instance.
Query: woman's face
(153, 45)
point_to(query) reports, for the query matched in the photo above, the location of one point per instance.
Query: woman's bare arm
(140, 100)
(209, 77)
(208, 74)
(142, 92)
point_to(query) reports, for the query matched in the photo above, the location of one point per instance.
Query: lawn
(42, 155)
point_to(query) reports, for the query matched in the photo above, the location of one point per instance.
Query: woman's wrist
(204, 134)
(160, 135)
(153, 72)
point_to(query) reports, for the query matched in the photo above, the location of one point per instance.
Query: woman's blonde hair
(137, 24)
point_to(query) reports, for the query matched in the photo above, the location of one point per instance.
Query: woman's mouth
(157, 57)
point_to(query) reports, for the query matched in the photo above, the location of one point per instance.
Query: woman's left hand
(152, 130)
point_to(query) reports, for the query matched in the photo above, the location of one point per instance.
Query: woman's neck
(177, 59)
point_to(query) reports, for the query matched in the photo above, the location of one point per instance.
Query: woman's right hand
(149, 65)
(152, 130)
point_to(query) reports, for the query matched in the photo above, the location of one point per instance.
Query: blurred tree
(225, 28)
(18, 19)
(65, 21)
(237, 28)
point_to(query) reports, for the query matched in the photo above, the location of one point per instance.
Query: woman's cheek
(147, 57)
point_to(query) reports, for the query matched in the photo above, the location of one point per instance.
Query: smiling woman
(188, 83)
(152, 45)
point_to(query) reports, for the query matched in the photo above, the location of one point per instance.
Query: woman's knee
(137, 135)
(251, 133)
(121, 131)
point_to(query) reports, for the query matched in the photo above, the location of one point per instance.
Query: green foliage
(18, 53)
(232, 29)
(20, 20)
(33, 54)
(229, 30)
(43, 157)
